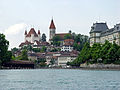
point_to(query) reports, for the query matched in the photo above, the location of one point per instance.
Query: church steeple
(52, 25)
(52, 29)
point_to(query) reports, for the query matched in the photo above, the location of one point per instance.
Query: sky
(16, 16)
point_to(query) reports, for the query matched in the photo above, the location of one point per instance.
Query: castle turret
(25, 34)
(39, 35)
(52, 29)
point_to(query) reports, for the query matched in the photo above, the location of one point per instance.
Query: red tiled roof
(25, 43)
(68, 42)
(32, 31)
(52, 26)
(61, 35)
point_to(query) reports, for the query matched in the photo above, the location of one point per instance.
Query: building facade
(67, 45)
(100, 33)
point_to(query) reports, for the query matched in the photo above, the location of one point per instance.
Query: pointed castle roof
(52, 25)
(38, 31)
(25, 32)
(32, 31)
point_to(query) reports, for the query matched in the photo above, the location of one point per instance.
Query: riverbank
(79, 68)
(82, 67)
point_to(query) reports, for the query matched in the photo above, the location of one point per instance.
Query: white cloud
(15, 29)
(15, 34)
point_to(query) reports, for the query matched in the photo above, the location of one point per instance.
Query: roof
(99, 27)
(68, 42)
(68, 55)
(51, 53)
(61, 35)
(38, 55)
(52, 25)
(25, 43)
(111, 31)
(32, 31)
(20, 62)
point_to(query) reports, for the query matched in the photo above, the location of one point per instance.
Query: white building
(67, 48)
(64, 58)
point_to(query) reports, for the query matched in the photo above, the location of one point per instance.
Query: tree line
(106, 53)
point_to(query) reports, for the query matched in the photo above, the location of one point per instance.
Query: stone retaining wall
(100, 66)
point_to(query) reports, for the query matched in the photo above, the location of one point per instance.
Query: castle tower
(52, 29)
(39, 35)
(25, 34)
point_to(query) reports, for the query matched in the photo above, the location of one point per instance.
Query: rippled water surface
(59, 79)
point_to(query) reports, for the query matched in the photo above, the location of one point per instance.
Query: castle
(100, 32)
(33, 38)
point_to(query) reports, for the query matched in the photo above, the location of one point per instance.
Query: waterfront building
(66, 57)
(100, 32)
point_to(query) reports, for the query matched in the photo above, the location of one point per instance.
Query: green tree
(43, 49)
(43, 37)
(70, 31)
(13, 50)
(41, 62)
(104, 50)
(68, 36)
(52, 62)
(36, 49)
(95, 52)
(56, 41)
(118, 54)
(83, 57)
(24, 55)
(79, 41)
(5, 55)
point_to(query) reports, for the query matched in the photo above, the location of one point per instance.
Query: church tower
(52, 29)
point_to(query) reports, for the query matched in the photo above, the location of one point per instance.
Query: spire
(52, 26)
(39, 32)
(25, 32)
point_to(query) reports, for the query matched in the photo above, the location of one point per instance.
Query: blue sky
(75, 15)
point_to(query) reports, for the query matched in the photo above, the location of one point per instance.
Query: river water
(59, 79)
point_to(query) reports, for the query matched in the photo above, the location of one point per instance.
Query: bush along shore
(98, 55)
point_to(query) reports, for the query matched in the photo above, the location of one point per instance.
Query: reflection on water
(59, 79)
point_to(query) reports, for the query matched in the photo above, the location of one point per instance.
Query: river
(59, 79)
